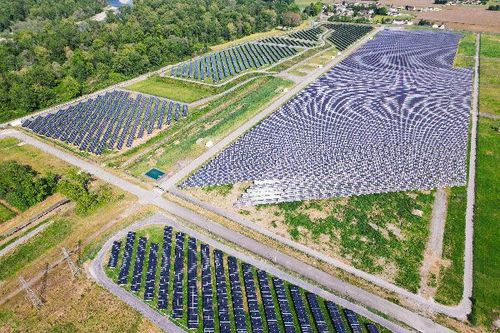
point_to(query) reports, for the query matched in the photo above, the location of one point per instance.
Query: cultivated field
(476, 19)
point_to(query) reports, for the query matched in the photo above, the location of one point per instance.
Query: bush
(22, 187)
(75, 186)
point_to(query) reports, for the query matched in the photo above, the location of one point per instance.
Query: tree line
(50, 53)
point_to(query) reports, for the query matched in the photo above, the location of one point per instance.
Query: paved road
(171, 182)
(330, 282)
(24, 238)
(97, 271)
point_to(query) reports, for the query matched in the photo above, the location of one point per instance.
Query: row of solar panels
(221, 65)
(238, 311)
(108, 121)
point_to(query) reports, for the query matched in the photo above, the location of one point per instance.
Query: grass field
(450, 282)
(489, 93)
(13, 149)
(5, 213)
(37, 246)
(176, 90)
(218, 118)
(486, 293)
(466, 51)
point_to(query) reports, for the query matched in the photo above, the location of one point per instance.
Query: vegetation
(377, 232)
(466, 51)
(486, 215)
(184, 91)
(47, 61)
(450, 285)
(22, 187)
(220, 190)
(177, 90)
(75, 186)
(489, 73)
(220, 117)
(28, 252)
(5, 213)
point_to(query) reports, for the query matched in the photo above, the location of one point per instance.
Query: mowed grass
(5, 213)
(13, 149)
(211, 123)
(486, 293)
(489, 92)
(173, 89)
(466, 51)
(450, 285)
(12, 263)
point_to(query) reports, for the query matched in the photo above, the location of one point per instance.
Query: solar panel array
(221, 65)
(246, 299)
(311, 34)
(393, 116)
(109, 121)
(343, 35)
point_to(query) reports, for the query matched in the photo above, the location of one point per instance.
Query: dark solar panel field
(235, 296)
(110, 121)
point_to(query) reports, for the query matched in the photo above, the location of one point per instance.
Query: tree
(291, 19)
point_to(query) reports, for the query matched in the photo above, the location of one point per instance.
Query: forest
(51, 51)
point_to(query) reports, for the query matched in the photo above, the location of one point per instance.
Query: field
(210, 124)
(450, 279)
(486, 293)
(176, 90)
(383, 234)
(468, 18)
(489, 93)
(466, 51)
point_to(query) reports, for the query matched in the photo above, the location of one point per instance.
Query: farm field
(219, 118)
(476, 19)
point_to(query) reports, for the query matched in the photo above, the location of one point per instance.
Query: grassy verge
(5, 213)
(489, 94)
(451, 277)
(224, 115)
(28, 252)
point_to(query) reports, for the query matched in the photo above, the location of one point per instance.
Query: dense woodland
(50, 51)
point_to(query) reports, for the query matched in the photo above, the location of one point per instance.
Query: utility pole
(35, 300)
(75, 270)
